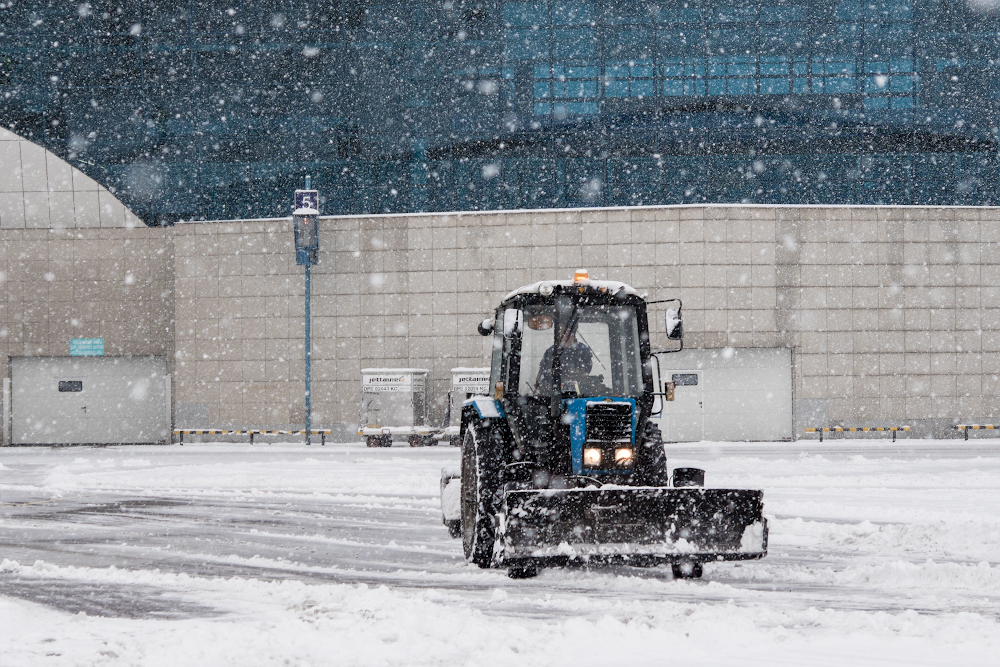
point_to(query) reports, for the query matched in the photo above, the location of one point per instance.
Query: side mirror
(675, 325)
(486, 327)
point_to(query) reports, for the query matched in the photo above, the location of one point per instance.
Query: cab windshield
(596, 347)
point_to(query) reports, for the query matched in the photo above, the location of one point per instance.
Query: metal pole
(308, 360)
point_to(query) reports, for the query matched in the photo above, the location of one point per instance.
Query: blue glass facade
(212, 109)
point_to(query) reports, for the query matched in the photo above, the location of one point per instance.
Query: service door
(684, 417)
(742, 394)
(89, 400)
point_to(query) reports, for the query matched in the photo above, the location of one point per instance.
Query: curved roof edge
(39, 190)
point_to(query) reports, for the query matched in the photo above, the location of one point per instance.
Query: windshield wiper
(579, 335)
(574, 316)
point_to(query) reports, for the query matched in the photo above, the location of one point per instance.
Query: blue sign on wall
(86, 347)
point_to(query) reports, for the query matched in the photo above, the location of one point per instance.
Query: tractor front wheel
(480, 483)
(652, 460)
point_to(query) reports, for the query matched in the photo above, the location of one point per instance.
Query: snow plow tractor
(563, 464)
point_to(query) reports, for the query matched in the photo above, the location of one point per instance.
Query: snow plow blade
(646, 523)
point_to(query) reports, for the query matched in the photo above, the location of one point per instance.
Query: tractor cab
(577, 345)
(570, 367)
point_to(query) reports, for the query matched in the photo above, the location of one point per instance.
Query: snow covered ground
(227, 554)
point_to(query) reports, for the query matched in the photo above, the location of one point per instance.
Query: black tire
(455, 441)
(372, 441)
(686, 569)
(480, 483)
(416, 441)
(652, 458)
(454, 528)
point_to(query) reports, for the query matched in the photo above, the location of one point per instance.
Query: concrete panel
(62, 210)
(36, 210)
(33, 174)
(10, 167)
(59, 174)
(86, 209)
(11, 210)
(84, 183)
(112, 211)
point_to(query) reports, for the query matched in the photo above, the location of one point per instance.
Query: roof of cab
(611, 286)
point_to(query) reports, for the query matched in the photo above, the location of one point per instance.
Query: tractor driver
(575, 361)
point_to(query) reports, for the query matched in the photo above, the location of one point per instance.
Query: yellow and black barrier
(965, 428)
(857, 429)
(251, 432)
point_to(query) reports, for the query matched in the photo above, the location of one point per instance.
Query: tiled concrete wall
(240, 327)
(41, 191)
(891, 313)
(115, 284)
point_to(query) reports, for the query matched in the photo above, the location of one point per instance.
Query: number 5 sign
(307, 199)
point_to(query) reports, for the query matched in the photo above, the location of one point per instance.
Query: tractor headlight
(623, 457)
(591, 457)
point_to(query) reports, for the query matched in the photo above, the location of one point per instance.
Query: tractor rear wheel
(480, 482)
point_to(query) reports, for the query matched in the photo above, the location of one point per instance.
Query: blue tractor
(562, 463)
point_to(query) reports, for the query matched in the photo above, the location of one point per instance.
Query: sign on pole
(308, 199)
(305, 221)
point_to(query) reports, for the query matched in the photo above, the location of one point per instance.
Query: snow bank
(293, 623)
